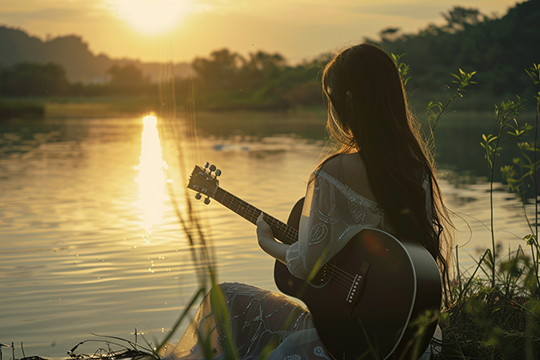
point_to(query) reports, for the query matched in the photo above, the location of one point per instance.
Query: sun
(151, 16)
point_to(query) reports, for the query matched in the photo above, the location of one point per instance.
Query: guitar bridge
(357, 288)
(353, 288)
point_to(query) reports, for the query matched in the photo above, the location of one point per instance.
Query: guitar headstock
(204, 181)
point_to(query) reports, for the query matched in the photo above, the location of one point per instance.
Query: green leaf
(530, 239)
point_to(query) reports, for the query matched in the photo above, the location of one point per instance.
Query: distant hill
(73, 54)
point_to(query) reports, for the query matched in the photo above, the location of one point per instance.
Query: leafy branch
(528, 167)
(402, 67)
(491, 143)
(435, 111)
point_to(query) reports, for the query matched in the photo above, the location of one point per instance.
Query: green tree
(458, 18)
(33, 79)
(496, 47)
(260, 67)
(220, 71)
(127, 80)
(125, 75)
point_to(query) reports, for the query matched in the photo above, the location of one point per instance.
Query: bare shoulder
(351, 171)
(349, 163)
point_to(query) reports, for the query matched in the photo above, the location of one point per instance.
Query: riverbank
(76, 107)
(21, 109)
(127, 106)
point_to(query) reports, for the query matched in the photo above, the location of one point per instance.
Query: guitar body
(366, 300)
(389, 285)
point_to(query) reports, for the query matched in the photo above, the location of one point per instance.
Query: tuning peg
(212, 167)
(218, 172)
(198, 196)
(206, 165)
(207, 201)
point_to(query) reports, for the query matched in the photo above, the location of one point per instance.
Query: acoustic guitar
(370, 301)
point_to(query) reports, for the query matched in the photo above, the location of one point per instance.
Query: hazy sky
(179, 30)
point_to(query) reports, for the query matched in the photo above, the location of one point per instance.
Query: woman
(382, 177)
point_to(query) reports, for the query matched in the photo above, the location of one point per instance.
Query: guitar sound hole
(322, 277)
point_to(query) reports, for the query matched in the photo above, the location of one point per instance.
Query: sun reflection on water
(151, 179)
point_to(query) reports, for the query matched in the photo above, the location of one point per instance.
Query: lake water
(90, 243)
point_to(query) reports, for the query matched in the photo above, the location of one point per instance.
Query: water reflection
(151, 178)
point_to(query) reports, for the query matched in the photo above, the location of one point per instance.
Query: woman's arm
(267, 242)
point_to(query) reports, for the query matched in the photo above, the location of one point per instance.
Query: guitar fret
(237, 205)
(204, 183)
(223, 199)
(282, 231)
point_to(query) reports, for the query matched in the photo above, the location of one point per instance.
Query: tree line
(224, 79)
(33, 79)
(497, 48)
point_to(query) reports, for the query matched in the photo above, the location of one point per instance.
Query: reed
(496, 308)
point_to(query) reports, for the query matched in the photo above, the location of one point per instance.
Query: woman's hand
(264, 233)
(267, 241)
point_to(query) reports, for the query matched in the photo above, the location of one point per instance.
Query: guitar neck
(283, 232)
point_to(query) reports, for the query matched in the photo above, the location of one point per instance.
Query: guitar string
(344, 278)
(245, 208)
(340, 277)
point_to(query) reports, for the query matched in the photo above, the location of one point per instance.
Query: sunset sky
(179, 30)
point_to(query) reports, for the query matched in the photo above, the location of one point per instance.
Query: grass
(21, 109)
(100, 107)
(500, 321)
(308, 122)
(496, 312)
(77, 107)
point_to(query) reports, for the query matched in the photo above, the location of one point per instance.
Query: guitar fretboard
(283, 232)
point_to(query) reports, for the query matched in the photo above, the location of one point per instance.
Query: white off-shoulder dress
(331, 215)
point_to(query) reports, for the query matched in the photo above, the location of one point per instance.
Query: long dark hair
(363, 85)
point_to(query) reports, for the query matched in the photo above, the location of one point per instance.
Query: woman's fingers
(263, 229)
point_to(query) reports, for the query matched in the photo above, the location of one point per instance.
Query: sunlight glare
(151, 16)
(151, 179)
